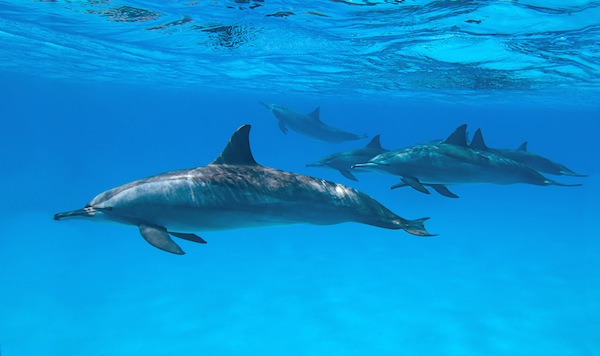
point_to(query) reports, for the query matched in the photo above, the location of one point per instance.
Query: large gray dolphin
(309, 125)
(234, 192)
(452, 161)
(521, 155)
(343, 161)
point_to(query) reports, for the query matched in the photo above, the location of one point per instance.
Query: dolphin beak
(87, 212)
(365, 165)
(313, 165)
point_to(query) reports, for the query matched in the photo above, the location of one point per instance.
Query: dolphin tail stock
(414, 227)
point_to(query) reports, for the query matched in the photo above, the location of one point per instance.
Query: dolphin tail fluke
(415, 227)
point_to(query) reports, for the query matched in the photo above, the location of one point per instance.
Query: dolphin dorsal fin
(237, 152)
(458, 137)
(315, 114)
(523, 147)
(374, 143)
(478, 142)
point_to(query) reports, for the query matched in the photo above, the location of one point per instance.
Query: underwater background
(99, 93)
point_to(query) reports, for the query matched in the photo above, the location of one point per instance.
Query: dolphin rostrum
(521, 155)
(343, 161)
(309, 125)
(452, 161)
(231, 192)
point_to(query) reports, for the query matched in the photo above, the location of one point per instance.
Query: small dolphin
(452, 161)
(234, 192)
(309, 125)
(343, 161)
(521, 155)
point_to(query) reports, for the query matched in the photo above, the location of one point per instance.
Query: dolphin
(521, 155)
(234, 191)
(452, 161)
(309, 125)
(343, 161)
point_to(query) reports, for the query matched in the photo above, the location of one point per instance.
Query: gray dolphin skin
(309, 125)
(452, 161)
(521, 155)
(343, 161)
(234, 192)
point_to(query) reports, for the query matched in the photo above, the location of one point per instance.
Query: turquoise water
(96, 94)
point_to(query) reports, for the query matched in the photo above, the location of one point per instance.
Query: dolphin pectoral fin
(158, 237)
(189, 237)
(346, 173)
(282, 127)
(443, 190)
(415, 184)
(399, 185)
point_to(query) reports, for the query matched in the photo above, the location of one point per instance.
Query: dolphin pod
(232, 192)
(453, 161)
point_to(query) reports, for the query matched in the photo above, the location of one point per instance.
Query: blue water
(95, 95)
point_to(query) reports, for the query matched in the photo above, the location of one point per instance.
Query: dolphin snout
(86, 212)
(268, 106)
(365, 165)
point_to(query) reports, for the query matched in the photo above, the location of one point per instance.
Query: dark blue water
(89, 104)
